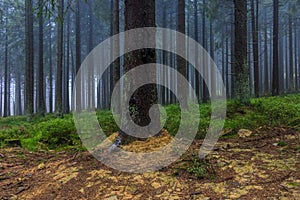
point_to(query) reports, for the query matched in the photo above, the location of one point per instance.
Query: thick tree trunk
(241, 72)
(140, 13)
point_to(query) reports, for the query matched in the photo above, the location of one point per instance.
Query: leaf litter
(237, 169)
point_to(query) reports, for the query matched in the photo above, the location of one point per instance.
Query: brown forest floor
(251, 168)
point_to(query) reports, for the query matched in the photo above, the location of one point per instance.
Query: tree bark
(241, 72)
(29, 80)
(50, 74)
(6, 75)
(58, 86)
(181, 43)
(291, 66)
(78, 56)
(40, 92)
(255, 47)
(275, 81)
(140, 13)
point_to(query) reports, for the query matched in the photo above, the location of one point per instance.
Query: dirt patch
(265, 165)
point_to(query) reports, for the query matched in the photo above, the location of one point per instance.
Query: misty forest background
(255, 45)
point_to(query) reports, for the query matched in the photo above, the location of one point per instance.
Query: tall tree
(139, 13)
(58, 86)
(6, 74)
(78, 54)
(50, 73)
(40, 92)
(254, 20)
(67, 66)
(29, 59)
(275, 81)
(241, 72)
(197, 76)
(204, 61)
(181, 62)
(291, 61)
(116, 43)
(266, 57)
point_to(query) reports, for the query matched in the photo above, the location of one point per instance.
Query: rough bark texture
(29, 58)
(241, 72)
(140, 13)
(58, 86)
(255, 47)
(181, 43)
(41, 96)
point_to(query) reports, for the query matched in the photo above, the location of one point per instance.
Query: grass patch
(50, 132)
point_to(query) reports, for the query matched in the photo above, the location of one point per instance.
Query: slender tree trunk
(295, 57)
(78, 56)
(212, 55)
(255, 47)
(58, 86)
(181, 43)
(6, 76)
(227, 64)
(204, 61)
(197, 75)
(29, 80)
(40, 91)
(50, 74)
(275, 82)
(1, 94)
(90, 95)
(291, 67)
(116, 30)
(266, 58)
(67, 67)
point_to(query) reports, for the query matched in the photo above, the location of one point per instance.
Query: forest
(217, 115)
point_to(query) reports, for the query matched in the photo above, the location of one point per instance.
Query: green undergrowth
(50, 132)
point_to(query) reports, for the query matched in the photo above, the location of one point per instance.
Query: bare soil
(265, 165)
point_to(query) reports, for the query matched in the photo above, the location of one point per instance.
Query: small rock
(275, 144)
(243, 133)
(41, 166)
